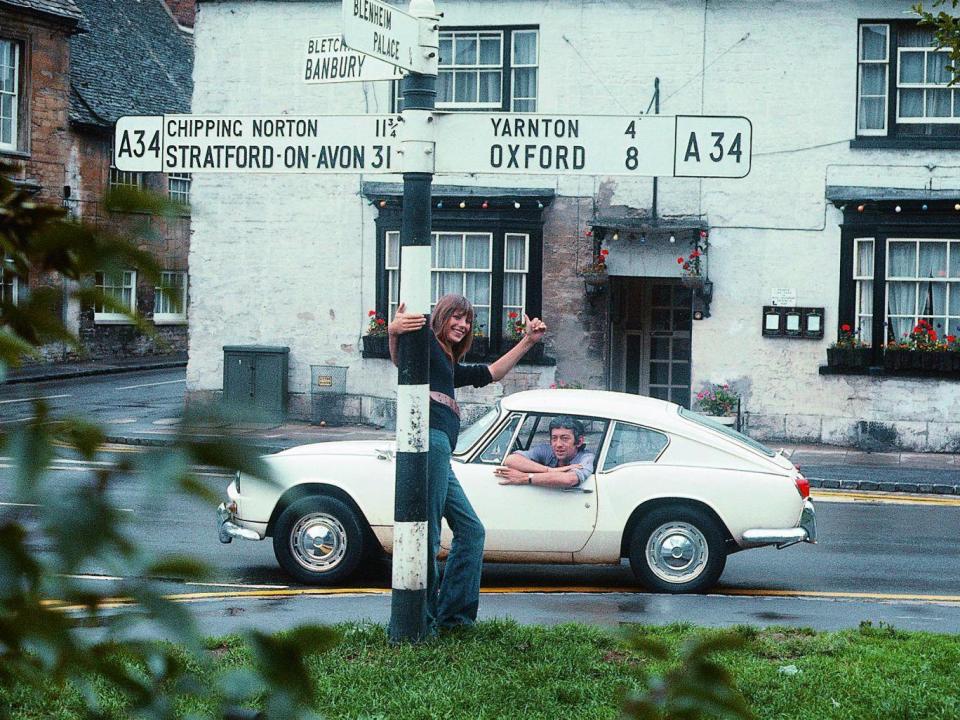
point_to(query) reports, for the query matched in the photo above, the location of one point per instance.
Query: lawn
(504, 670)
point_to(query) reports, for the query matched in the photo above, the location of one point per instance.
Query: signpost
(273, 144)
(329, 60)
(379, 29)
(379, 42)
(645, 145)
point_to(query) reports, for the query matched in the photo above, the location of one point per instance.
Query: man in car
(563, 463)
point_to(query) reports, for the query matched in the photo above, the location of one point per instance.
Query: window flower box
(849, 357)
(375, 346)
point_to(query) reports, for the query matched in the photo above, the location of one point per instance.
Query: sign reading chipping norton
(645, 145)
(329, 60)
(383, 31)
(268, 144)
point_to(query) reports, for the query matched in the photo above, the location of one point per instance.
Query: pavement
(848, 468)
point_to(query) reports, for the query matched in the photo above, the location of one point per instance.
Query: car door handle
(578, 490)
(384, 453)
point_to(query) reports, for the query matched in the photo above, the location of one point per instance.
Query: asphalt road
(892, 561)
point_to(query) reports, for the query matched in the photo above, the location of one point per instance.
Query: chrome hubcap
(318, 542)
(677, 552)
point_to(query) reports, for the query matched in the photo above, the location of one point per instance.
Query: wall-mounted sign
(783, 297)
(792, 322)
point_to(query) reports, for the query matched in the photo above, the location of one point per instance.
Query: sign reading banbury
(274, 144)
(329, 60)
(649, 145)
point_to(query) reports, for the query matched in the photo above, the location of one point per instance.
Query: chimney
(183, 11)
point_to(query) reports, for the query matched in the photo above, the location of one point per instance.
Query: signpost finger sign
(267, 144)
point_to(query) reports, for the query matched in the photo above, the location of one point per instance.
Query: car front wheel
(318, 540)
(677, 549)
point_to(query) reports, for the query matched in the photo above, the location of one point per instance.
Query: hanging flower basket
(692, 281)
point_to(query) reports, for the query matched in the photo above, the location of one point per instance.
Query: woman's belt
(445, 400)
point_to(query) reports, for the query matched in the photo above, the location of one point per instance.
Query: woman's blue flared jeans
(454, 600)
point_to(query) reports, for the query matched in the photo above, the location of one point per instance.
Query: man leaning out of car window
(563, 463)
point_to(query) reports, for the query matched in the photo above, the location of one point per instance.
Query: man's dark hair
(565, 422)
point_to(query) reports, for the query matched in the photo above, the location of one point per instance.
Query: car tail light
(803, 486)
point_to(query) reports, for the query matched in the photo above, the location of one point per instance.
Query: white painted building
(849, 110)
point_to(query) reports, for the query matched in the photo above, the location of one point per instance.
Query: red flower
(695, 253)
(680, 261)
(686, 266)
(933, 334)
(372, 313)
(951, 338)
(381, 321)
(844, 328)
(604, 252)
(512, 314)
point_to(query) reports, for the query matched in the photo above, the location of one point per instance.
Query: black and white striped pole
(408, 607)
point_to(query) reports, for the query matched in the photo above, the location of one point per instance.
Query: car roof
(595, 403)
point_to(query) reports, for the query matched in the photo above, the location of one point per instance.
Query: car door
(525, 518)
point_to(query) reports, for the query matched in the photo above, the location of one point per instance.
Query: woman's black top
(444, 377)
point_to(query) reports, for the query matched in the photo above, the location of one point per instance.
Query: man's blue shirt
(543, 454)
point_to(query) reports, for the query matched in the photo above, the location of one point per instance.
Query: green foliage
(42, 647)
(946, 29)
(698, 687)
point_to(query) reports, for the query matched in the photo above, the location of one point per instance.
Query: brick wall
(183, 10)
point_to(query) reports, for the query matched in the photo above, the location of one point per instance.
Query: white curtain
(902, 296)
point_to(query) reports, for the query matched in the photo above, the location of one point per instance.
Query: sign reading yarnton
(267, 144)
(379, 29)
(329, 60)
(645, 145)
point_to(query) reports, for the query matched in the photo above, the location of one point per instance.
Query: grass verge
(504, 670)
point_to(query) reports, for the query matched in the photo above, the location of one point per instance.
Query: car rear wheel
(677, 549)
(318, 540)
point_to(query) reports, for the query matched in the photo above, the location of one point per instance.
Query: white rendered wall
(291, 260)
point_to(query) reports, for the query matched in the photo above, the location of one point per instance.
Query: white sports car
(673, 491)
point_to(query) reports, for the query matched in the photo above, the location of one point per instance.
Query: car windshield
(469, 434)
(728, 431)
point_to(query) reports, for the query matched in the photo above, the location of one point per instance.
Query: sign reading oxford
(269, 144)
(645, 145)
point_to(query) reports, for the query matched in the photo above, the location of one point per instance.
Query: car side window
(632, 443)
(498, 448)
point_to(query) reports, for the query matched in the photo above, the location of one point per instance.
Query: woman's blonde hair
(447, 307)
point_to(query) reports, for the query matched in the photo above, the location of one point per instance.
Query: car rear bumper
(806, 531)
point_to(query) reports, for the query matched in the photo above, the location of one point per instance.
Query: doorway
(654, 330)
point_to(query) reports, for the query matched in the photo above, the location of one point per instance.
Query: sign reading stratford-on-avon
(271, 144)
(651, 145)
(329, 60)
(383, 31)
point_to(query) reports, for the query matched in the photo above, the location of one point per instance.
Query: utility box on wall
(255, 378)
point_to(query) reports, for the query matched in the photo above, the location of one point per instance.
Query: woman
(455, 600)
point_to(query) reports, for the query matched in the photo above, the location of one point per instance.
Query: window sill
(112, 320)
(20, 154)
(880, 371)
(898, 143)
(176, 320)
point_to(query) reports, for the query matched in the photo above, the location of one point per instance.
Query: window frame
(20, 122)
(498, 222)
(931, 133)
(101, 317)
(507, 67)
(875, 132)
(174, 194)
(171, 318)
(939, 223)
